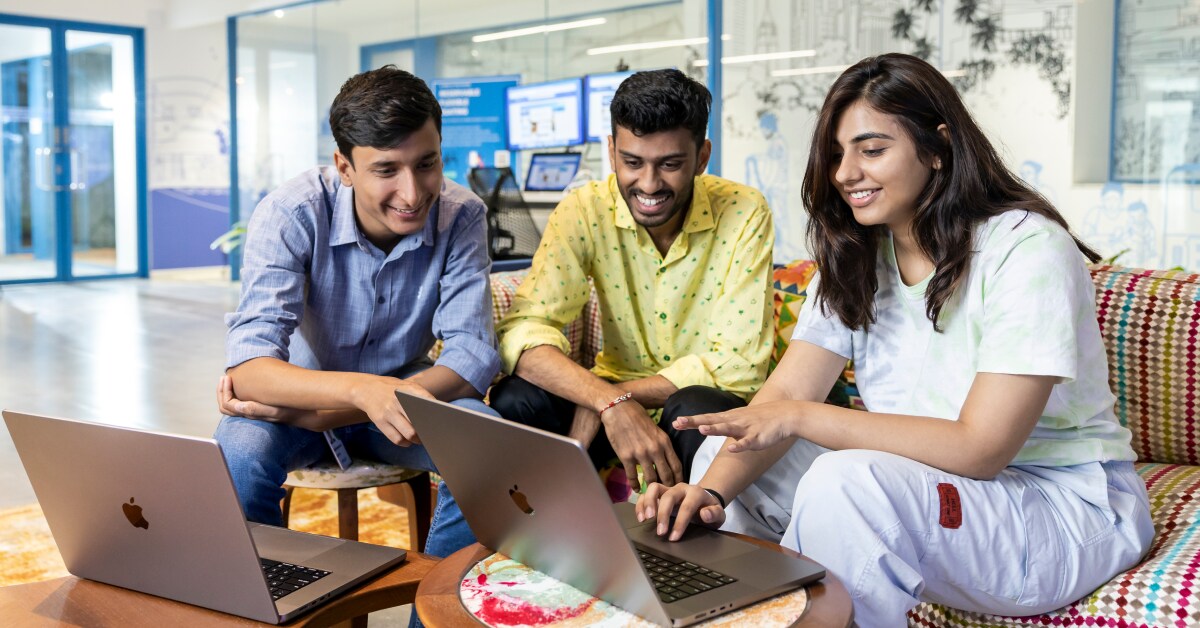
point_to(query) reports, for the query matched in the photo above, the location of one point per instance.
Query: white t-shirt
(1026, 307)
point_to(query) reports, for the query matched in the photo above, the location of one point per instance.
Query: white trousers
(890, 529)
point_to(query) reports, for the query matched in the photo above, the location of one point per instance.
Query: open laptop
(535, 496)
(157, 513)
(551, 172)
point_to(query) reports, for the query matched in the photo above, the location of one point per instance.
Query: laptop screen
(551, 172)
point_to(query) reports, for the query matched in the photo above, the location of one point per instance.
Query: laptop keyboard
(675, 579)
(286, 578)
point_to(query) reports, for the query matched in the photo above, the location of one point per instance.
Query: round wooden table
(439, 605)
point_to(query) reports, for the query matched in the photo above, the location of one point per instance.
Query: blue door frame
(63, 233)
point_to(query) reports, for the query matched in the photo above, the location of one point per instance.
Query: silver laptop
(535, 496)
(157, 513)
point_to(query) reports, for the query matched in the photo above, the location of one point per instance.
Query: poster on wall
(473, 122)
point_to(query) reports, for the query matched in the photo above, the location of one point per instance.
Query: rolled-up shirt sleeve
(463, 319)
(276, 256)
(553, 293)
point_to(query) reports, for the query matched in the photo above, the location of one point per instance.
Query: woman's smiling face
(876, 168)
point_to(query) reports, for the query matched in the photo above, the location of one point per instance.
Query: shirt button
(380, 300)
(662, 315)
(666, 358)
(370, 342)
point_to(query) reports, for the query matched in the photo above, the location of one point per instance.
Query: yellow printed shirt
(699, 315)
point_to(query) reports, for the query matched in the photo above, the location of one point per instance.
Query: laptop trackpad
(281, 544)
(701, 544)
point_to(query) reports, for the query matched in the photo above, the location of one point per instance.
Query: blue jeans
(260, 454)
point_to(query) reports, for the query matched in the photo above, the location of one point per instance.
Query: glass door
(73, 149)
(27, 141)
(100, 141)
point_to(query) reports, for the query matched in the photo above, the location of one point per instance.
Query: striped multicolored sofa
(1150, 321)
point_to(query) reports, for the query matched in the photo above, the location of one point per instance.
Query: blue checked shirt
(316, 293)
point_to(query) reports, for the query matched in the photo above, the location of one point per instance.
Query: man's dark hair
(380, 109)
(661, 100)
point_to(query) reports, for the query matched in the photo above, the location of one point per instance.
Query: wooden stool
(408, 488)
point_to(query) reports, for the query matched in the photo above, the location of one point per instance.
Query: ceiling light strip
(652, 45)
(768, 56)
(536, 30)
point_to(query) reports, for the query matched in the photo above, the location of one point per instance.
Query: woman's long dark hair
(971, 186)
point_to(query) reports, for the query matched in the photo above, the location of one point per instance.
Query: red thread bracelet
(623, 398)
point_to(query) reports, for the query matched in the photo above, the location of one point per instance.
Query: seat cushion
(361, 474)
(1161, 591)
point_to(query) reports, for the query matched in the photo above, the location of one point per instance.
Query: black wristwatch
(714, 493)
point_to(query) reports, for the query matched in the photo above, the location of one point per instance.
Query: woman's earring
(937, 164)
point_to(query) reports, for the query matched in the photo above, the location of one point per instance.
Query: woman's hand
(753, 427)
(686, 501)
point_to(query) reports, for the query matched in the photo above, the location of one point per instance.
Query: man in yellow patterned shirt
(681, 262)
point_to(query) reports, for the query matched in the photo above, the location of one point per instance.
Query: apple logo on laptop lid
(133, 513)
(520, 500)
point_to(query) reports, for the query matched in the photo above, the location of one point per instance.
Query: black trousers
(520, 401)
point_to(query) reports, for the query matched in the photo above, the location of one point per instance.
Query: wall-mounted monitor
(545, 115)
(598, 92)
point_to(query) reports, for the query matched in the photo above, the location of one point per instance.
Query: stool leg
(412, 495)
(287, 504)
(422, 508)
(348, 513)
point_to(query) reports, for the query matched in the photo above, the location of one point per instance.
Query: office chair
(512, 234)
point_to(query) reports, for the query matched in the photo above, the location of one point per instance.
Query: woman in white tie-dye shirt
(989, 472)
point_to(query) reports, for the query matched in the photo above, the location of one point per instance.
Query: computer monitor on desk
(551, 172)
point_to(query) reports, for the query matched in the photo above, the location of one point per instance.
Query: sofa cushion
(790, 285)
(1150, 321)
(1160, 591)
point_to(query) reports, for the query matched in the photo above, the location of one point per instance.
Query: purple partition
(183, 222)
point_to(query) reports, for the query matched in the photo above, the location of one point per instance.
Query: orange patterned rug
(28, 552)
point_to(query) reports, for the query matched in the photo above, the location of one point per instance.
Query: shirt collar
(699, 213)
(344, 229)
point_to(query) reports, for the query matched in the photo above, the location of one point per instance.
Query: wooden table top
(71, 601)
(439, 605)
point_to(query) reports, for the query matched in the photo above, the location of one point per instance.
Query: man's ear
(344, 168)
(612, 153)
(703, 157)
